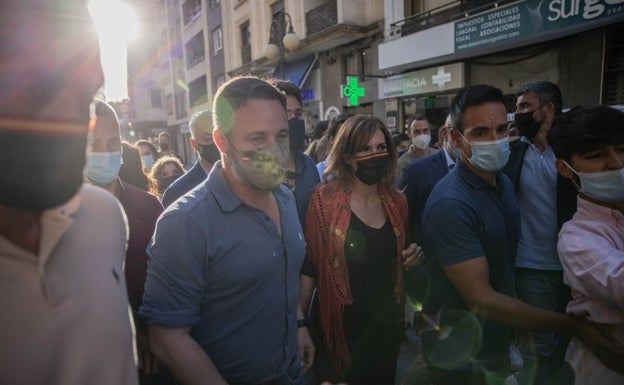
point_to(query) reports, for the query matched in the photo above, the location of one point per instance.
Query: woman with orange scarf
(356, 229)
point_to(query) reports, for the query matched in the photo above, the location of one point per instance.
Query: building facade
(431, 49)
(179, 63)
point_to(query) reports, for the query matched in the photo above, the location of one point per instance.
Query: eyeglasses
(298, 113)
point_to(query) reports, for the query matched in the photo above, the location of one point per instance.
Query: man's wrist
(304, 322)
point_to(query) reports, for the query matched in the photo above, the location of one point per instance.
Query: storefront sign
(429, 80)
(529, 18)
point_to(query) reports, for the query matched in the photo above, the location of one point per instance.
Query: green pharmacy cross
(353, 91)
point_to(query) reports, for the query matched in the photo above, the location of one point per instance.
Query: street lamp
(279, 39)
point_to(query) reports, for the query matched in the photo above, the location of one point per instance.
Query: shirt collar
(587, 208)
(449, 159)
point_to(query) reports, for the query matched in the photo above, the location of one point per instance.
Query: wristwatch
(304, 323)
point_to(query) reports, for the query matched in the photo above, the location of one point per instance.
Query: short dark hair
(415, 117)
(470, 97)
(545, 92)
(319, 129)
(399, 137)
(287, 87)
(234, 93)
(356, 132)
(335, 123)
(585, 129)
(152, 147)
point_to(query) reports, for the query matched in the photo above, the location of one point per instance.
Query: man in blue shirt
(471, 227)
(200, 126)
(221, 297)
(546, 200)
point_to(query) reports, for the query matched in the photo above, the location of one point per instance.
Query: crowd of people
(283, 259)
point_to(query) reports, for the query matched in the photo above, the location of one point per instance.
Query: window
(214, 3)
(351, 65)
(169, 104)
(195, 50)
(245, 43)
(156, 99)
(198, 92)
(190, 9)
(217, 40)
(180, 104)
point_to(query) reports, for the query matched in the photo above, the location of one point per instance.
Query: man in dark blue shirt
(471, 228)
(221, 297)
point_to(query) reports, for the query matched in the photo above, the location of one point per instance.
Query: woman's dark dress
(372, 321)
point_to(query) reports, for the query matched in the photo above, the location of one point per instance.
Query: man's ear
(456, 140)
(193, 144)
(220, 141)
(564, 170)
(549, 108)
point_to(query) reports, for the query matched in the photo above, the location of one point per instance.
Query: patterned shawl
(327, 222)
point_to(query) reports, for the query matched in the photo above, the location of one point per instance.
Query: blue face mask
(148, 161)
(490, 156)
(605, 186)
(102, 167)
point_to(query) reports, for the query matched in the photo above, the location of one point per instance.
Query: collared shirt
(466, 218)
(64, 318)
(411, 154)
(537, 200)
(450, 162)
(321, 166)
(591, 246)
(220, 266)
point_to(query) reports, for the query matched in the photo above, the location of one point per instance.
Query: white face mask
(605, 186)
(421, 141)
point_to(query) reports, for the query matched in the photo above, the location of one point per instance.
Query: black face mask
(47, 175)
(209, 152)
(296, 131)
(166, 182)
(164, 146)
(527, 126)
(372, 168)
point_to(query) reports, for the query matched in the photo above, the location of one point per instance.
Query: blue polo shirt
(465, 218)
(219, 266)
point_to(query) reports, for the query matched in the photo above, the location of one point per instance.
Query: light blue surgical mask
(102, 167)
(490, 156)
(148, 161)
(605, 186)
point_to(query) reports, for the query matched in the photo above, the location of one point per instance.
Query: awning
(296, 71)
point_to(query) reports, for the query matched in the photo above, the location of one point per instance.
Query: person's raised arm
(471, 279)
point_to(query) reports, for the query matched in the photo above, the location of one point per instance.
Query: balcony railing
(322, 17)
(445, 13)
